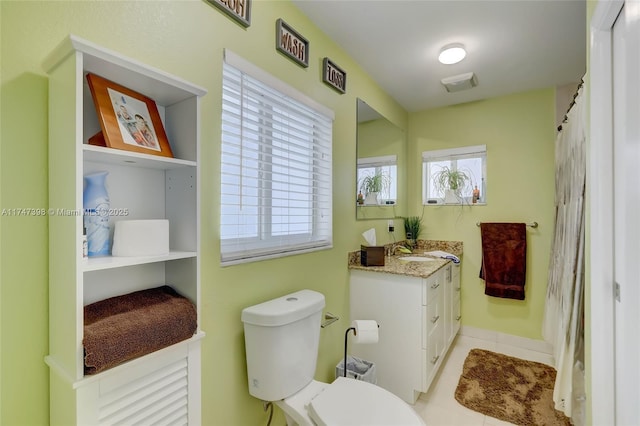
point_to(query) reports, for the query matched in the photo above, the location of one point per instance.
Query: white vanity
(417, 306)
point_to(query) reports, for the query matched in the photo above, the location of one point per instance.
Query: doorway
(613, 179)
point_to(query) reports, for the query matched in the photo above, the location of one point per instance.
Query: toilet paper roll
(366, 331)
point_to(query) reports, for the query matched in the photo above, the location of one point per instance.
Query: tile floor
(438, 406)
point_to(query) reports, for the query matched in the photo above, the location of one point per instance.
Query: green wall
(186, 39)
(519, 133)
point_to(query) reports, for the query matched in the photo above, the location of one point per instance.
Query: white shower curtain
(563, 324)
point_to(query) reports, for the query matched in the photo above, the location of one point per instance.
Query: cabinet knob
(458, 317)
(435, 319)
(435, 359)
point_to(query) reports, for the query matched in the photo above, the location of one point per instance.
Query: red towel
(504, 253)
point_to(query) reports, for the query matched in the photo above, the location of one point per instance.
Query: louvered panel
(127, 401)
(175, 413)
(165, 404)
(129, 404)
(160, 397)
(178, 420)
(124, 385)
(156, 413)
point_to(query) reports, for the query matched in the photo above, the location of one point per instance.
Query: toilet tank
(281, 339)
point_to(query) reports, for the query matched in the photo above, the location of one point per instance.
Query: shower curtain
(563, 325)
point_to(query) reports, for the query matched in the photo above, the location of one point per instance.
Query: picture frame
(239, 10)
(292, 44)
(334, 76)
(129, 120)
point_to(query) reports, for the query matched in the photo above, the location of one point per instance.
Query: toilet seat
(350, 402)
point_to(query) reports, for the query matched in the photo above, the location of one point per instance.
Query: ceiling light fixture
(452, 54)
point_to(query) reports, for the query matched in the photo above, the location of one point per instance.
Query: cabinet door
(435, 341)
(431, 287)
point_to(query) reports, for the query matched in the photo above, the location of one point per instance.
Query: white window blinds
(276, 178)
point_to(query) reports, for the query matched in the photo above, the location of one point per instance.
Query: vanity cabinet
(162, 387)
(418, 319)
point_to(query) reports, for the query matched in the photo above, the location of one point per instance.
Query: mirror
(381, 165)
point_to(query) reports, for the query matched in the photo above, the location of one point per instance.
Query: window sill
(453, 205)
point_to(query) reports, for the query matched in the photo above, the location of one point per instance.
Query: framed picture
(240, 10)
(291, 43)
(129, 120)
(334, 76)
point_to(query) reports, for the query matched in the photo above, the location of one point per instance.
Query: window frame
(454, 155)
(310, 145)
(378, 163)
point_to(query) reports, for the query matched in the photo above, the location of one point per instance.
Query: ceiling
(512, 46)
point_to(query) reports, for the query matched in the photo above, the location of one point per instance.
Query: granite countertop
(395, 265)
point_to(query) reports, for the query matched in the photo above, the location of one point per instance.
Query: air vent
(460, 82)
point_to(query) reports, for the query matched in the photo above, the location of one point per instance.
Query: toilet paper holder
(346, 340)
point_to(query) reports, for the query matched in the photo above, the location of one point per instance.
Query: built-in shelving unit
(140, 186)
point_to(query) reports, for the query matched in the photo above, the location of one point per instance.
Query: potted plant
(412, 229)
(372, 185)
(454, 183)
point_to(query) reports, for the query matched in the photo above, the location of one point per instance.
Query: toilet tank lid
(284, 310)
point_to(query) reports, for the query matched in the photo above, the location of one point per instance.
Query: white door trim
(600, 215)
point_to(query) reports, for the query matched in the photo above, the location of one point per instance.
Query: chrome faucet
(395, 247)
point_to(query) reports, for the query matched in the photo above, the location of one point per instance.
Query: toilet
(281, 339)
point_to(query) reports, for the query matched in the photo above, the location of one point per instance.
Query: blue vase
(96, 213)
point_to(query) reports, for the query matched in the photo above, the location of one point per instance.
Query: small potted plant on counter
(412, 229)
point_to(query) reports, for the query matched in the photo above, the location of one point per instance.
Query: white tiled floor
(438, 407)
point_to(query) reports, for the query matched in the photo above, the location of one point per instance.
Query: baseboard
(507, 339)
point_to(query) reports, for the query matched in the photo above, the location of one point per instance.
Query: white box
(141, 238)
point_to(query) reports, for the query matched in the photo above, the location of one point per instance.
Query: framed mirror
(381, 166)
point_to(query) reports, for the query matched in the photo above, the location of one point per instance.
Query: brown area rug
(509, 389)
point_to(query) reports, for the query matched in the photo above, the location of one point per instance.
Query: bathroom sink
(416, 259)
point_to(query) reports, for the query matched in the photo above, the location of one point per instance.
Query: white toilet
(281, 337)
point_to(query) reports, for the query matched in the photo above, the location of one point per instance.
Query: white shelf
(132, 159)
(110, 262)
(157, 84)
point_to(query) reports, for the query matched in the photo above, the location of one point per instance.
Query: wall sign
(291, 43)
(240, 10)
(334, 76)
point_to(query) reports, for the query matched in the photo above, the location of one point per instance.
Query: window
(470, 160)
(387, 166)
(276, 179)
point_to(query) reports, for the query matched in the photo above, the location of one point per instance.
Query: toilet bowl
(281, 341)
(347, 402)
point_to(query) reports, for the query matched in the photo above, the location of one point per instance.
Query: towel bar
(532, 224)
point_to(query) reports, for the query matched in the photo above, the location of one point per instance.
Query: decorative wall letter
(291, 43)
